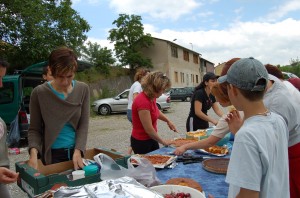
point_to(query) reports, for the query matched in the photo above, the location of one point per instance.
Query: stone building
(183, 66)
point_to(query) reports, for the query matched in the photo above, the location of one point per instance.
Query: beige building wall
(218, 69)
(181, 72)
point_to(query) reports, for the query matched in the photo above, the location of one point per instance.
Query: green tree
(30, 30)
(294, 67)
(102, 58)
(295, 62)
(129, 39)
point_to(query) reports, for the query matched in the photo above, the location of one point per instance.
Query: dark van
(16, 91)
(15, 95)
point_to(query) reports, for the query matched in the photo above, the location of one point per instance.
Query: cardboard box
(35, 182)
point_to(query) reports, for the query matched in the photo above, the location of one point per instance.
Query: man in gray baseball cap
(247, 74)
(258, 164)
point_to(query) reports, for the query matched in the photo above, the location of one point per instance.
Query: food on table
(181, 141)
(217, 149)
(197, 133)
(177, 195)
(216, 165)
(185, 182)
(154, 159)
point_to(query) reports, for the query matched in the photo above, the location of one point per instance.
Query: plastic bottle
(14, 151)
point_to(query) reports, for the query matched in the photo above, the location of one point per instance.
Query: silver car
(119, 103)
(287, 75)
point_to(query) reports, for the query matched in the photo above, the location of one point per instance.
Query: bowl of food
(174, 191)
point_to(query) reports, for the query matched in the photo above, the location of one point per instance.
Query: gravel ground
(114, 131)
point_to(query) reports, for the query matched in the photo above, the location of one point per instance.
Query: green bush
(292, 69)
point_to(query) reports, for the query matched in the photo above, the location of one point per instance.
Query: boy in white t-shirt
(258, 164)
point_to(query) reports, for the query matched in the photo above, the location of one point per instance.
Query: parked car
(119, 103)
(181, 93)
(15, 96)
(287, 75)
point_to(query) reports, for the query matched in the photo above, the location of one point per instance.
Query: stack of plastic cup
(90, 169)
(78, 174)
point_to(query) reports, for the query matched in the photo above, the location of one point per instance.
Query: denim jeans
(129, 115)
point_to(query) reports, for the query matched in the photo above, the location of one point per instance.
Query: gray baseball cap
(247, 74)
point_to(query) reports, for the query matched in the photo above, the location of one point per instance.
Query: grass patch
(94, 75)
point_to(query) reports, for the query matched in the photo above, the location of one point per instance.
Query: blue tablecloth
(211, 183)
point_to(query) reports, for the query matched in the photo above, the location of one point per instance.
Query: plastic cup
(90, 170)
(78, 174)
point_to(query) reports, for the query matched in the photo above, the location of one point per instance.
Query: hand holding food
(234, 120)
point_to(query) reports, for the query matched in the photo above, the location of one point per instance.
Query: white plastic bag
(144, 173)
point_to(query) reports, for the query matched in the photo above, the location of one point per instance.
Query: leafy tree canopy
(30, 30)
(294, 67)
(129, 39)
(102, 58)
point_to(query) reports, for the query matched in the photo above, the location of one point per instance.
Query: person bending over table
(59, 114)
(202, 100)
(258, 165)
(278, 99)
(145, 113)
(135, 89)
(222, 128)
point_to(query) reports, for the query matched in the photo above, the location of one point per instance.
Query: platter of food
(218, 151)
(157, 160)
(185, 182)
(198, 133)
(181, 141)
(216, 165)
(171, 191)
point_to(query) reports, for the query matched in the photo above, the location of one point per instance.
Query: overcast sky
(217, 29)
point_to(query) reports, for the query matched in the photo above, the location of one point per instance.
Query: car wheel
(159, 107)
(104, 110)
(188, 99)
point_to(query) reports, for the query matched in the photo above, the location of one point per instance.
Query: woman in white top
(135, 89)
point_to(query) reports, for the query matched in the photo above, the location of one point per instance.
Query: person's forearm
(163, 117)
(219, 112)
(146, 121)
(77, 151)
(33, 153)
(202, 144)
(205, 117)
(153, 135)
